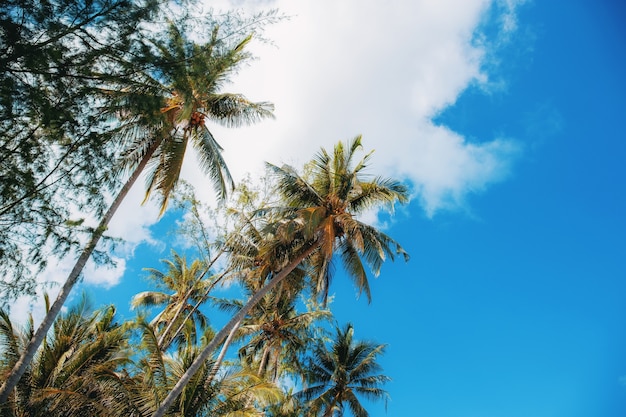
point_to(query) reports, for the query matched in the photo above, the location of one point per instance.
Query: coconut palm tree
(278, 336)
(165, 108)
(321, 218)
(338, 375)
(76, 370)
(185, 287)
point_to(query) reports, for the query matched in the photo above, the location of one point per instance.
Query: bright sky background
(506, 118)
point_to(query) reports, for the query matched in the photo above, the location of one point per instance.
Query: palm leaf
(212, 163)
(294, 189)
(234, 110)
(149, 299)
(379, 191)
(354, 266)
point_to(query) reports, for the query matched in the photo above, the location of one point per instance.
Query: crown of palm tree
(341, 372)
(278, 335)
(168, 107)
(184, 287)
(324, 205)
(74, 372)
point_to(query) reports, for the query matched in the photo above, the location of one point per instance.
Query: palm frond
(149, 299)
(155, 369)
(9, 339)
(354, 266)
(235, 110)
(212, 163)
(379, 191)
(294, 188)
(165, 174)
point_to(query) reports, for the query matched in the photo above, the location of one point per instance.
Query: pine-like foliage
(55, 56)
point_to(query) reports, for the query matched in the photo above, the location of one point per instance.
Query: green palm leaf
(212, 163)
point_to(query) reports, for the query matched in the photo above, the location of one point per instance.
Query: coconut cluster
(196, 119)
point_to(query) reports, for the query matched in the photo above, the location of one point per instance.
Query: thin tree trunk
(266, 353)
(219, 337)
(220, 357)
(20, 366)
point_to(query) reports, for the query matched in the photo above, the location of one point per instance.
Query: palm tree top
(324, 206)
(341, 373)
(167, 107)
(336, 183)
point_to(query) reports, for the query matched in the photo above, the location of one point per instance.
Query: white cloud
(446, 168)
(383, 70)
(508, 17)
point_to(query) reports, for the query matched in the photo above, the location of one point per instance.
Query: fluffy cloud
(383, 70)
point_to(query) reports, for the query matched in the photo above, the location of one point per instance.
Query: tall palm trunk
(264, 359)
(331, 408)
(20, 366)
(219, 337)
(220, 357)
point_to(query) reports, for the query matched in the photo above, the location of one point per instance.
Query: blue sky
(506, 118)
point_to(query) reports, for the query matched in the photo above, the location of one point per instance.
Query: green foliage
(84, 83)
(87, 89)
(324, 205)
(55, 56)
(183, 287)
(341, 372)
(74, 370)
(287, 364)
(169, 102)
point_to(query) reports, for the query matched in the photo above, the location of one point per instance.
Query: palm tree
(75, 371)
(279, 335)
(321, 219)
(160, 113)
(337, 376)
(186, 287)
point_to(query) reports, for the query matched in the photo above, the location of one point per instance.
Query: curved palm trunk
(264, 359)
(220, 357)
(20, 366)
(219, 337)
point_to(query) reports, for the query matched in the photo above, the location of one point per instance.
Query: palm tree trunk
(220, 357)
(20, 366)
(219, 337)
(331, 408)
(263, 363)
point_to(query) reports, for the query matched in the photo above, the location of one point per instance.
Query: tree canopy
(55, 140)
